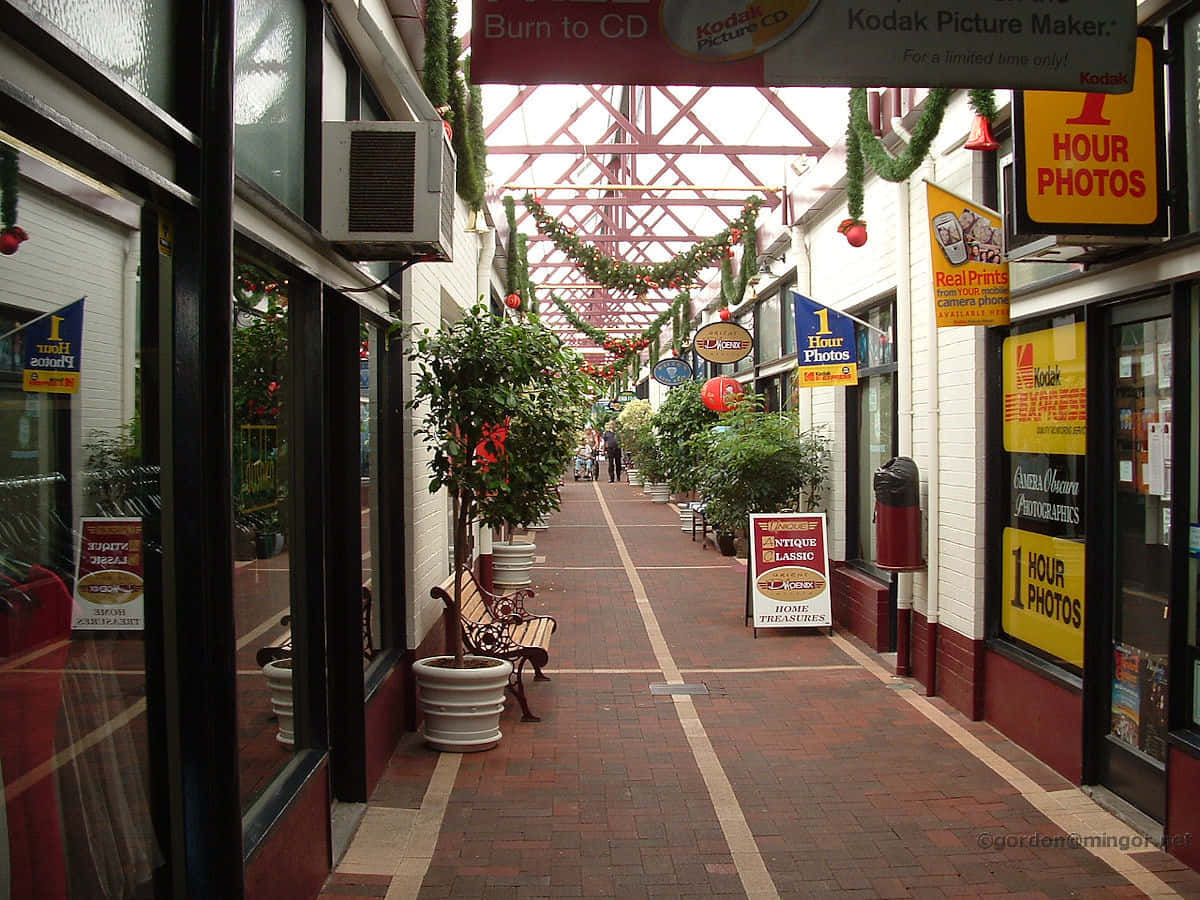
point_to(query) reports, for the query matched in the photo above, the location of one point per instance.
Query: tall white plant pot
(635, 478)
(659, 493)
(685, 517)
(279, 680)
(462, 707)
(512, 563)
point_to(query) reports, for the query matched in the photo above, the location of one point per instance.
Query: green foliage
(681, 418)
(501, 401)
(760, 463)
(633, 418)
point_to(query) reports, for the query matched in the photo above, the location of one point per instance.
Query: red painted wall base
(277, 870)
(860, 604)
(1183, 812)
(958, 665)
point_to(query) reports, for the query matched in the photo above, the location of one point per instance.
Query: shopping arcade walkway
(806, 770)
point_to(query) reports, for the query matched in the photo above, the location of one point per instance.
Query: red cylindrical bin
(898, 516)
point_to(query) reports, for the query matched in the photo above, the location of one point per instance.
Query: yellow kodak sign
(1045, 391)
(1042, 600)
(1092, 159)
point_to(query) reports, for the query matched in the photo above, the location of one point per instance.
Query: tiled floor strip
(1071, 810)
(751, 868)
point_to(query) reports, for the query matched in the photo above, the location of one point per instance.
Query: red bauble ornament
(513, 301)
(855, 231)
(9, 243)
(724, 314)
(721, 394)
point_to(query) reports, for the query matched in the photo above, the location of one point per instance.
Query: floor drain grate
(679, 688)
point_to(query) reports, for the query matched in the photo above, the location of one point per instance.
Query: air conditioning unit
(388, 190)
(1060, 248)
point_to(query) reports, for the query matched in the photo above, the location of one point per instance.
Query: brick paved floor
(845, 786)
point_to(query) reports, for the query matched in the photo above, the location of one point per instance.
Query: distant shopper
(612, 449)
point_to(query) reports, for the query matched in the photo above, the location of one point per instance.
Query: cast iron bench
(498, 625)
(283, 650)
(700, 520)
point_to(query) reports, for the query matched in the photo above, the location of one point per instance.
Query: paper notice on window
(1125, 367)
(1147, 365)
(1158, 447)
(1164, 367)
(1126, 470)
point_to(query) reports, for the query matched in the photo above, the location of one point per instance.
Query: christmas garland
(617, 275)
(732, 291)
(462, 105)
(12, 235)
(862, 146)
(520, 291)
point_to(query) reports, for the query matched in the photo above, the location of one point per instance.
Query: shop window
(262, 411)
(369, 471)
(746, 363)
(768, 338)
(1041, 563)
(133, 39)
(268, 97)
(80, 506)
(789, 317)
(873, 437)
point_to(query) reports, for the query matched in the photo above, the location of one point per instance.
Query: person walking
(612, 449)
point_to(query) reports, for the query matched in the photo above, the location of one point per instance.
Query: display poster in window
(826, 351)
(1042, 596)
(1126, 701)
(1152, 714)
(109, 576)
(1045, 391)
(54, 351)
(1093, 163)
(904, 43)
(970, 270)
(789, 571)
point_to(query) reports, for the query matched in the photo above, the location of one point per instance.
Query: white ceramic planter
(659, 493)
(685, 517)
(512, 563)
(461, 707)
(635, 478)
(279, 679)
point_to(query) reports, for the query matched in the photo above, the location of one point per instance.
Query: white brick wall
(73, 253)
(433, 292)
(845, 278)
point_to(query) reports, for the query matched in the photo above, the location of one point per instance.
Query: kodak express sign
(1090, 163)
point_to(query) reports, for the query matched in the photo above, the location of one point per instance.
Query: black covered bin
(898, 516)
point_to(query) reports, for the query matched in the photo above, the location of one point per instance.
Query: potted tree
(758, 462)
(631, 421)
(681, 417)
(491, 392)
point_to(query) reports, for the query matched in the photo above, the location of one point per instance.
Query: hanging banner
(1068, 45)
(672, 371)
(723, 342)
(1045, 391)
(108, 576)
(54, 351)
(970, 271)
(1087, 163)
(789, 571)
(826, 353)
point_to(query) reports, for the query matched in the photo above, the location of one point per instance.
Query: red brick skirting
(293, 860)
(959, 676)
(1183, 812)
(1043, 716)
(387, 715)
(860, 603)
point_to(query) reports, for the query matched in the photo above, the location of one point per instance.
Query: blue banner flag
(825, 350)
(54, 351)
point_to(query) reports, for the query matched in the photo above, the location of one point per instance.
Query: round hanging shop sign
(723, 342)
(672, 371)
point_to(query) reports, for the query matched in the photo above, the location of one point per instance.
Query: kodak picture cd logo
(733, 29)
(791, 584)
(109, 587)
